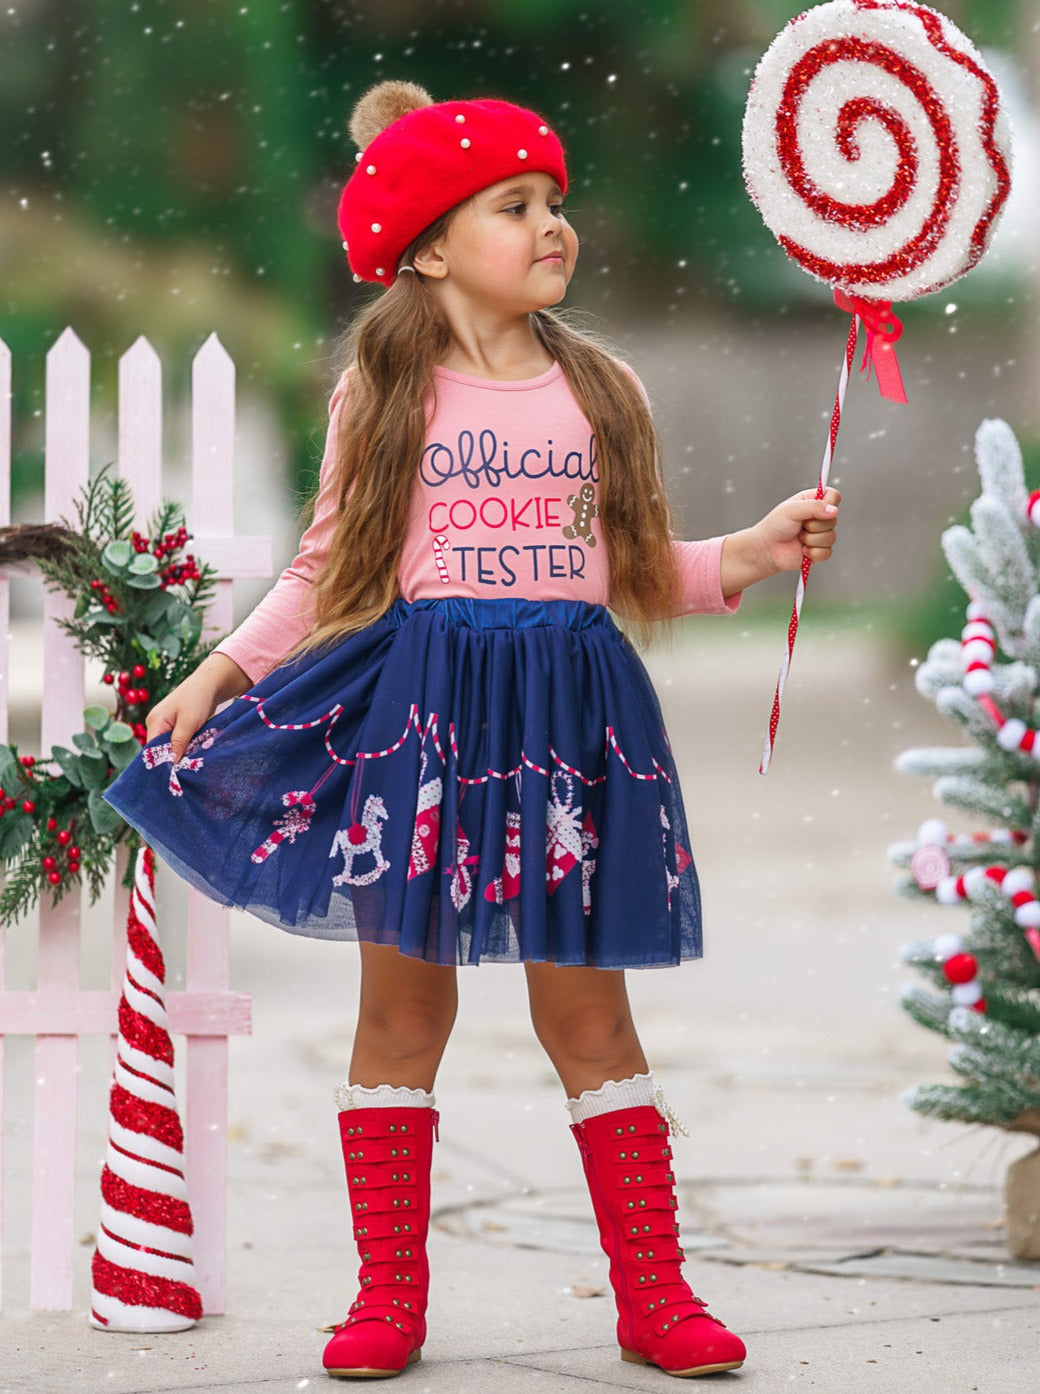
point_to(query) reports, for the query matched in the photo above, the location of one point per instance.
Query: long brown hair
(381, 432)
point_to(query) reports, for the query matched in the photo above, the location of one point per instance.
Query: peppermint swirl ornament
(876, 147)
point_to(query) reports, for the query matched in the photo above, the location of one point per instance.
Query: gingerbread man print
(585, 509)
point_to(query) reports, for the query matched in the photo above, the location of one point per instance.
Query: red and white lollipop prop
(877, 151)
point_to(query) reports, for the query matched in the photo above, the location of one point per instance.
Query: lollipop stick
(825, 469)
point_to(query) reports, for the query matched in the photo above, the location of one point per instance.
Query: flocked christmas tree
(984, 979)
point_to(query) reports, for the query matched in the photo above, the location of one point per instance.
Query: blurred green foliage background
(171, 167)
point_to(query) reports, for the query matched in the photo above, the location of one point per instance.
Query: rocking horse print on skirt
(589, 843)
(364, 839)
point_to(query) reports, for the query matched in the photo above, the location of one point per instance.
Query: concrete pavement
(855, 1246)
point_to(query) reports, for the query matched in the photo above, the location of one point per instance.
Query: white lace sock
(382, 1096)
(635, 1092)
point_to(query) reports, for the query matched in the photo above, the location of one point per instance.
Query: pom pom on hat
(431, 157)
(381, 106)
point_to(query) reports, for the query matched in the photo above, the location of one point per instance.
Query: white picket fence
(58, 1011)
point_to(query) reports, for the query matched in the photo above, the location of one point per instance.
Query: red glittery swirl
(143, 946)
(152, 1206)
(143, 1034)
(932, 25)
(920, 247)
(142, 1116)
(136, 1289)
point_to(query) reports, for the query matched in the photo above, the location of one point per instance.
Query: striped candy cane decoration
(803, 580)
(440, 546)
(143, 1274)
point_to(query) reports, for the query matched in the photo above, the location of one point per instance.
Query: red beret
(427, 162)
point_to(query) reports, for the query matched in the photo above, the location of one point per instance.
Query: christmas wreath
(139, 606)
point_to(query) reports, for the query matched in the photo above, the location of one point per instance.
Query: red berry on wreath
(9, 803)
(28, 806)
(64, 837)
(52, 823)
(139, 670)
(54, 877)
(961, 968)
(73, 868)
(980, 1005)
(28, 761)
(48, 863)
(142, 694)
(73, 853)
(108, 678)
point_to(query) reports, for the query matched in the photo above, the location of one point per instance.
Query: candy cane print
(440, 546)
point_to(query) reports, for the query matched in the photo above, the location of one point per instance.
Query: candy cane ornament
(876, 150)
(142, 1270)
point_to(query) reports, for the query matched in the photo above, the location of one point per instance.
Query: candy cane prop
(142, 1270)
(876, 150)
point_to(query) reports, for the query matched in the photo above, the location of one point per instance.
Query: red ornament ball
(357, 833)
(961, 968)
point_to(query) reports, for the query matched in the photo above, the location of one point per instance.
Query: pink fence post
(5, 625)
(139, 462)
(67, 436)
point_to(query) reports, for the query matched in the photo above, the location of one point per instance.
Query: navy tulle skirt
(465, 779)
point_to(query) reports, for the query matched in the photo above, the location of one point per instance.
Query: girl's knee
(583, 1032)
(408, 1025)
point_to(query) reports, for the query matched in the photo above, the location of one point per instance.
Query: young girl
(441, 745)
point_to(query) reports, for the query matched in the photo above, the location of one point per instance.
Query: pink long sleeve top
(504, 505)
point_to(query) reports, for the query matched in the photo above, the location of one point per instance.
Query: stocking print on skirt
(465, 779)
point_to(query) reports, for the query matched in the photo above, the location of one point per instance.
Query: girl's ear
(430, 261)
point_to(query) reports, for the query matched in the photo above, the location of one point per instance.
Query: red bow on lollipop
(883, 327)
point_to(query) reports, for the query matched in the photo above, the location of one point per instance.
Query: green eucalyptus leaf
(118, 733)
(143, 564)
(145, 642)
(172, 645)
(8, 767)
(102, 617)
(122, 755)
(16, 830)
(117, 555)
(144, 583)
(97, 718)
(69, 765)
(94, 768)
(84, 742)
(102, 815)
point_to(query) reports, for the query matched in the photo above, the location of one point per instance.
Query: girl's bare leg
(405, 1016)
(582, 1018)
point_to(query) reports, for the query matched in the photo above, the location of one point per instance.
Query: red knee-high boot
(388, 1153)
(627, 1163)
